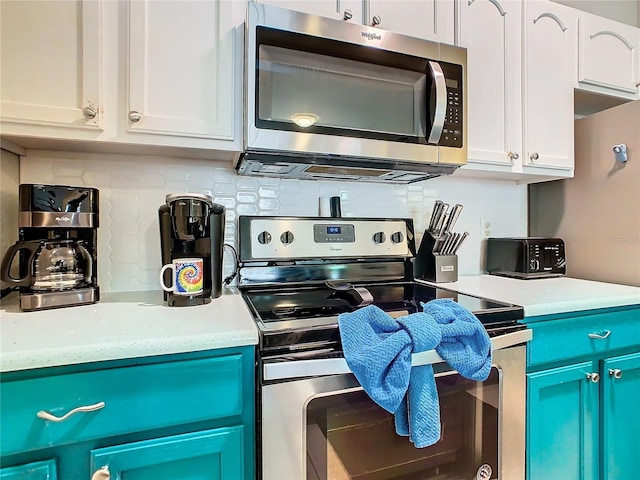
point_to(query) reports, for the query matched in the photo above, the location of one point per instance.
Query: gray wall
(597, 213)
(625, 11)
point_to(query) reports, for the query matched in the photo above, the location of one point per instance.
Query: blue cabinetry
(583, 388)
(139, 419)
(45, 470)
(621, 417)
(562, 432)
(214, 454)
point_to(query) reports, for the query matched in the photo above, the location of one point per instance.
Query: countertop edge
(123, 326)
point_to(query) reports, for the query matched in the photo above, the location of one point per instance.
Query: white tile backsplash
(132, 187)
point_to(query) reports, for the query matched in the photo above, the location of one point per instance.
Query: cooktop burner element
(298, 274)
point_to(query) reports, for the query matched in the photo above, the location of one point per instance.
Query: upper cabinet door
(50, 56)
(491, 32)
(181, 68)
(349, 10)
(609, 55)
(551, 32)
(428, 19)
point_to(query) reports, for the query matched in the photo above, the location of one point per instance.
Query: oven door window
(314, 85)
(350, 437)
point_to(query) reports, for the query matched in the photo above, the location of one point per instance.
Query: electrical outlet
(485, 224)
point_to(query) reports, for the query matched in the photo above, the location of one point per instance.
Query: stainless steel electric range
(314, 420)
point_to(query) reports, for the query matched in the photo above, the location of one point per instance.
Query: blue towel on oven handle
(378, 350)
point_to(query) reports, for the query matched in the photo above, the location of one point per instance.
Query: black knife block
(434, 267)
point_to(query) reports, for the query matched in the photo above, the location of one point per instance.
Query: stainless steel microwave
(338, 100)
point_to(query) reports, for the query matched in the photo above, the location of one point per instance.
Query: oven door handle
(337, 366)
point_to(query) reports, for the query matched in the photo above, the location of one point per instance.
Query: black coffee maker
(57, 247)
(192, 226)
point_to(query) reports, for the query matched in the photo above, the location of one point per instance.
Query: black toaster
(526, 257)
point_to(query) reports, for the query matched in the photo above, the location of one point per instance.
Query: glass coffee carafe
(51, 265)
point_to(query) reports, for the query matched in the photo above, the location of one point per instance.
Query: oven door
(311, 79)
(326, 427)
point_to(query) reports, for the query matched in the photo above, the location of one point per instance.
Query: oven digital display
(334, 233)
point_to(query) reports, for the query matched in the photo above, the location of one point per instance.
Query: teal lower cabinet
(45, 470)
(562, 433)
(583, 396)
(187, 416)
(621, 417)
(211, 455)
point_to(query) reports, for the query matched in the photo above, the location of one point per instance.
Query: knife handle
(434, 215)
(452, 218)
(460, 242)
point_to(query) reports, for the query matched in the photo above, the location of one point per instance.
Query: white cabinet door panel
(609, 54)
(491, 32)
(50, 56)
(181, 75)
(326, 8)
(428, 19)
(549, 66)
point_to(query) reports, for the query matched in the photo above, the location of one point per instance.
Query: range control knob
(286, 238)
(397, 237)
(264, 238)
(379, 237)
(534, 264)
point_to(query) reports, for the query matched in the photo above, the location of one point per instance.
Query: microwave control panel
(453, 120)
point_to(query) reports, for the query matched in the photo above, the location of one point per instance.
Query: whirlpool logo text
(371, 35)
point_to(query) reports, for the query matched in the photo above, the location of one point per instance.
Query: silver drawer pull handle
(601, 335)
(615, 372)
(594, 377)
(87, 408)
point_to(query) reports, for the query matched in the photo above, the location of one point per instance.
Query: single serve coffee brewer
(191, 243)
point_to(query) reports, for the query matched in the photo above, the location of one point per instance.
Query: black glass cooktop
(306, 317)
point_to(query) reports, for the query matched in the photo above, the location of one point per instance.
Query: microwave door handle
(441, 102)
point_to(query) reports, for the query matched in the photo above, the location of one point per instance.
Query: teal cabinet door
(209, 455)
(562, 423)
(621, 417)
(45, 470)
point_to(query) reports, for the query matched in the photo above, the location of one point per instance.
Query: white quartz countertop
(120, 326)
(547, 296)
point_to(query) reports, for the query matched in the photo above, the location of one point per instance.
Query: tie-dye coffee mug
(188, 276)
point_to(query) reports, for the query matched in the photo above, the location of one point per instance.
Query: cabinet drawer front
(135, 398)
(45, 470)
(557, 340)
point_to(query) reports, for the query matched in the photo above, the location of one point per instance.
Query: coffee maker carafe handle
(31, 246)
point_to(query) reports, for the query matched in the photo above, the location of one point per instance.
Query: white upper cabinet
(50, 75)
(609, 56)
(490, 30)
(428, 19)
(131, 72)
(521, 64)
(181, 78)
(349, 10)
(549, 63)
